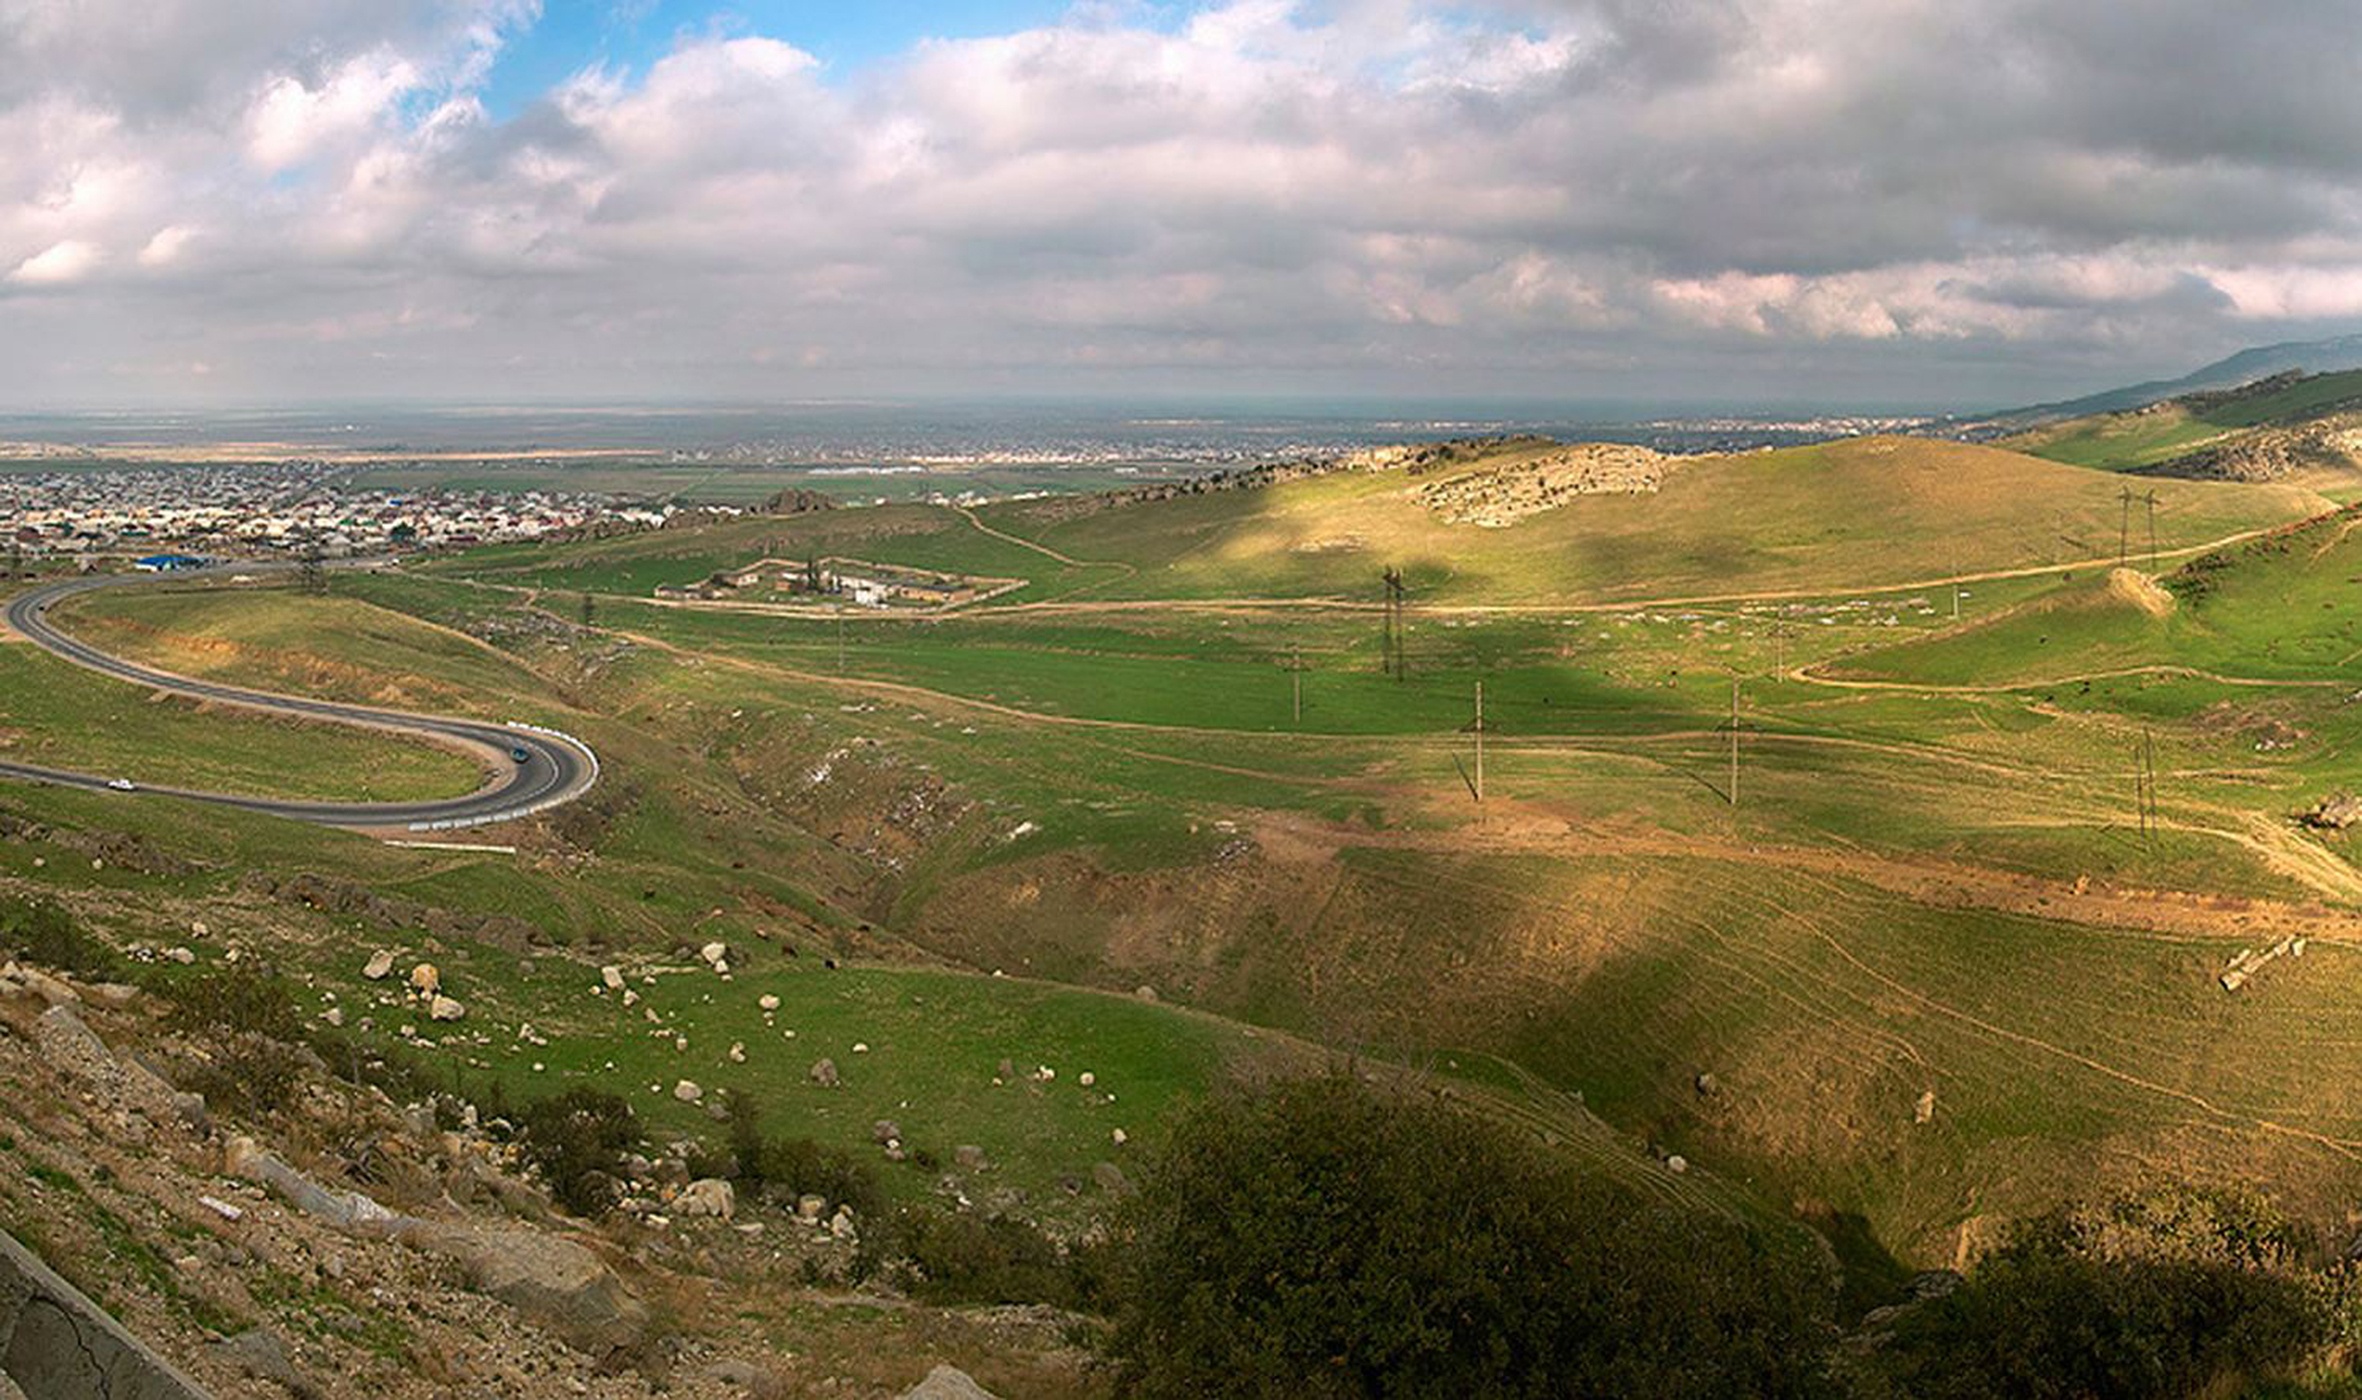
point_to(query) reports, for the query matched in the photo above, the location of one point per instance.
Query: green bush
(577, 1140)
(944, 1257)
(40, 932)
(1319, 1239)
(248, 1074)
(240, 999)
(791, 1167)
(2179, 1294)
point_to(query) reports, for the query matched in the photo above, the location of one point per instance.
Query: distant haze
(1811, 202)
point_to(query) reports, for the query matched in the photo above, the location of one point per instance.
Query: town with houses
(167, 516)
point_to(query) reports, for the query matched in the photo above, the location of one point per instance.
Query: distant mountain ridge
(2256, 362)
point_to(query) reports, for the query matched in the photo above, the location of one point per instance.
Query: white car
(122, 785)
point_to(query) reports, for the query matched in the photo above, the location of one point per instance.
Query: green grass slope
(2145, 437)
(1855, 514)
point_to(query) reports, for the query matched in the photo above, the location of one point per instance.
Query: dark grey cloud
(302, 197)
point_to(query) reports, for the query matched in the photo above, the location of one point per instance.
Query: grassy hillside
(1856, 514)
(2175, 428)
(57, 715)
(1933, 880)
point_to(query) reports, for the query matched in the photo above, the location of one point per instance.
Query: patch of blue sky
(626, 36)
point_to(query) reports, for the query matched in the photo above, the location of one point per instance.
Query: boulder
(426, 979)
(262, 1354)
(380, 965)
(714, 953)
(809, 1207)
(737, 1052)
(554, 1282)
(611, 978)
(948, 1383)
(709, 1197)
(443, 1008)
(824, 1074)
(688, 1091)
(768, 1002)
(2335, 813)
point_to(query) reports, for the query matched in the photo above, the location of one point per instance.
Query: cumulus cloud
(311, 198)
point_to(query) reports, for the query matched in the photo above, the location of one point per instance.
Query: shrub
(792, 1167)
(1320, 1239)
(247, 1074)
(2178, 1294)
(951, 1258)
(240, 999)
(577, 1140)
(41, 932)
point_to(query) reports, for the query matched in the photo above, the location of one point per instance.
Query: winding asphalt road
(555, 768)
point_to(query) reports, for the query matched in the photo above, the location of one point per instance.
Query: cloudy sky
(1928, 202)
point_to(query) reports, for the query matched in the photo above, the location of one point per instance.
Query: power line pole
(840, 641)
(1296, 679)
(1734, 741)
(1396, 661)
(2124, 531)
(2152, 498)
(1477, 728)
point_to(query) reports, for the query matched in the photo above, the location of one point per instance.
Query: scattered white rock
(1119, 1137)
(379, 966)
(768, 1002)
(334, 1016)
(709, 1197)
(688, 1091)
(183, 956)
(1086, 1079)
(443, 1008)
(713, 953)
(425, 979)
(737, 1053)
(860, 1047)
(611, 978)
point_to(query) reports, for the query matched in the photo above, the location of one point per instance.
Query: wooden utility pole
(1479, 740)
(1734, 741)
(1296, 679)
(2124, 531)
(1396, 663)
(840, 641)
(2152, 499)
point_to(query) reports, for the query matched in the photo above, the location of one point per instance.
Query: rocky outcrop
(1502, 496)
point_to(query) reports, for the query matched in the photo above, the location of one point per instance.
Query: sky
(1889, 203)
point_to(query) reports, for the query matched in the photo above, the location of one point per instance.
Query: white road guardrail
(530, 809)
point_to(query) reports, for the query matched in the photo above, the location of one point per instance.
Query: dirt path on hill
(1931, 881)
(1041, 549)
(1812, 675)
(1696, 600)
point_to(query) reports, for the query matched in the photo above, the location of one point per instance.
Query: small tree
(1323, 1240)
(578, 1139)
